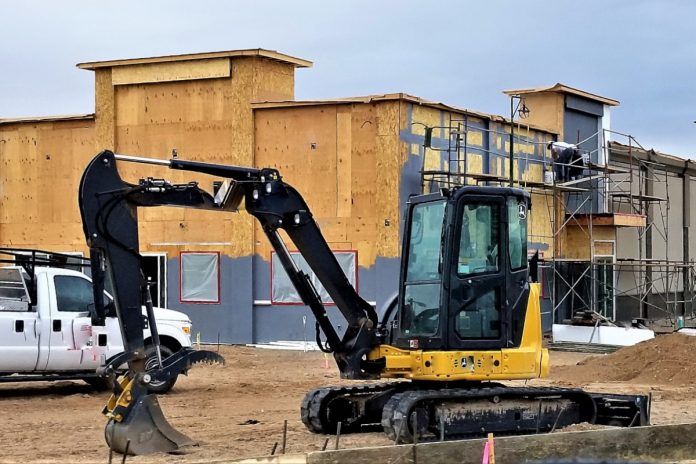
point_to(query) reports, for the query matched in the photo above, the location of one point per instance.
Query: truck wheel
(151, 363)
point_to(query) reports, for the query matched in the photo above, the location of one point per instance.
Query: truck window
(73, 294)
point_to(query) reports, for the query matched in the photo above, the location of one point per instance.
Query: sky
(463, 53)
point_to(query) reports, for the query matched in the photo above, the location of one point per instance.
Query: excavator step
(448, 413)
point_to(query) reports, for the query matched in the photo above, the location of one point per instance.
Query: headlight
(186, 329)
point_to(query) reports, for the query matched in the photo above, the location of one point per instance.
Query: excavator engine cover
(145, 430)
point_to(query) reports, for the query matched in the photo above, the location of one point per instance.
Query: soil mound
(666, 359)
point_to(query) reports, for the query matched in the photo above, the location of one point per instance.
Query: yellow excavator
(467, 315)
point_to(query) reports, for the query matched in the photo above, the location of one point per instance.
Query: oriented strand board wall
(344, 160)
(40, 167)
(207, 120)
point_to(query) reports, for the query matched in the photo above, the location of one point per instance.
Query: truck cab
(46, 330)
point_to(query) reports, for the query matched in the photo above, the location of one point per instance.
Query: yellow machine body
(528, 361)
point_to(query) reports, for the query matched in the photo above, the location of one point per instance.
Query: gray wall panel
(231, 319)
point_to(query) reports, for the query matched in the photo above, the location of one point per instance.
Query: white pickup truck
(52, 338)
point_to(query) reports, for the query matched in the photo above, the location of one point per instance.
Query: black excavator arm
(109, 207)
(109, 213)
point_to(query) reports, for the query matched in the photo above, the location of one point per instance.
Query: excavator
(466, 319)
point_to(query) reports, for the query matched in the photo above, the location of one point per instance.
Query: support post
(686, 222)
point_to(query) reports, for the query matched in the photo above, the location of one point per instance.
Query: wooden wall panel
(40, 167)
(105, 110)
(172, 71)
(273, 81)
(349, 179)
(206, 120)
(391, 154)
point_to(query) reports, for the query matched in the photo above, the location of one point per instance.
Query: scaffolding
(626, 198)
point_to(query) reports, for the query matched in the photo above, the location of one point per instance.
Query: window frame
(163, 273)
(181, 278)
(300, 302)
(524, 262)
(406, 284)
(57, 277)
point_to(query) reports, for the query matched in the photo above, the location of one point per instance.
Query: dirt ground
(61, 422)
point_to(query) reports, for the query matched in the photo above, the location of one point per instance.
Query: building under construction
(613, 237)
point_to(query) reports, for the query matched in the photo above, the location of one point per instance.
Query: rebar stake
(338, 434)
(285, 436)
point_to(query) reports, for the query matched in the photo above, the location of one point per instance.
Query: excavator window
(421, 311)
(517, 232)
(479, 242)
(481, 318)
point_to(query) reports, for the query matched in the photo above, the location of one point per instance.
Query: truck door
(70, 341)
(19, 336)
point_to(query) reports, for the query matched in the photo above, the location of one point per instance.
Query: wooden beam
(659, 443)
(611, 219)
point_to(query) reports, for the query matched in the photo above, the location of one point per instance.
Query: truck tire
(151, 363)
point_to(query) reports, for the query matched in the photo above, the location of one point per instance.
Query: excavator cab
(464, 273)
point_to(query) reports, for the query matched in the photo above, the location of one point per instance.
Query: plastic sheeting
(282, 290)
(200, 277)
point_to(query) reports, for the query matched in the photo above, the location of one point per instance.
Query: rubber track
(399, 408)
(313, 412)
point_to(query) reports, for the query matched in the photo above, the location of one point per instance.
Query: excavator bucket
(145, 430)
(136, 422)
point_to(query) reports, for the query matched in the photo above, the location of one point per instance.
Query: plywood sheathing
(344, 160)
(171, 72)
(203, 119)
(105, 111)
(41, 163)
(577, 242)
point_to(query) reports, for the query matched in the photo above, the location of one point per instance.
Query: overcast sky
(463, 53)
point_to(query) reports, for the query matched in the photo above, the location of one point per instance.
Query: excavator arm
(109, 207)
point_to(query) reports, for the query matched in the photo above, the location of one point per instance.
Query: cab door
(70, 342)
(477, 274)
(517, 288)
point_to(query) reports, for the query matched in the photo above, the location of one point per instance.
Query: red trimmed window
(199, 277)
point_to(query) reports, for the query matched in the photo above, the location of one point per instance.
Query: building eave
(259, 52)
(58, 118)
(260, 105)
(562, 88)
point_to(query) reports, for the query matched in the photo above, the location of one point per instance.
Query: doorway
(154, 267)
